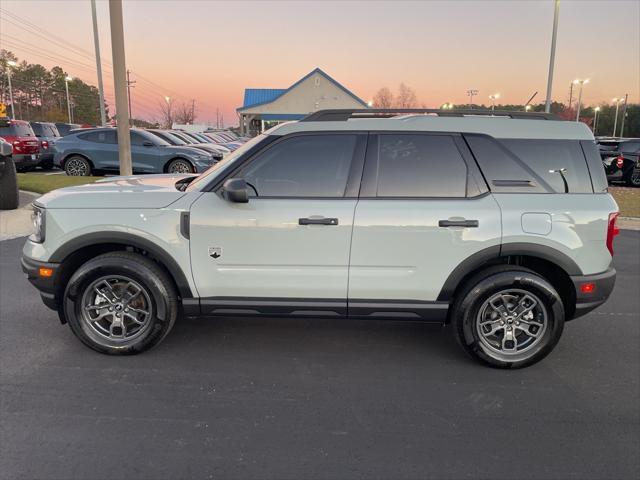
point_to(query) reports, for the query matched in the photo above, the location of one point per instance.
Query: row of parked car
(85, 150)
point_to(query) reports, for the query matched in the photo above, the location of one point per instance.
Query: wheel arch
(72, 254)
(165, 168)
(553, 265)
(67, 156)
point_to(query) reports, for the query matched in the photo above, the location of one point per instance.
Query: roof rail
(341, 115)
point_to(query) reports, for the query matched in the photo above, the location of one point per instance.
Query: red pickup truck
(26, 147)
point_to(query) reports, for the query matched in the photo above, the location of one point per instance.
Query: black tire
(180, 165)
(158, 296)
(632, 178)
(8, 184)
(77, 166)
(471, 304)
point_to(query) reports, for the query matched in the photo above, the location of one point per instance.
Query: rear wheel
(120, 303)
(180, 165)
(508, 317)
(77, 166)
(633, 177)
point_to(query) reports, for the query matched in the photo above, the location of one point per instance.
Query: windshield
(228, 160)
(170, 137)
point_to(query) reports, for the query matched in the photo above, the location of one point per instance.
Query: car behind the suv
(26, 147)
(621, 160)
(48, 134)
(96, 151)
(500, 226)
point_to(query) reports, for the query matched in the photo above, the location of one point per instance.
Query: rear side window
(531, 165)
(420, 166)
(99, 137)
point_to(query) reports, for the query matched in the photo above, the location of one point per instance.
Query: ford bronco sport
(499, 225)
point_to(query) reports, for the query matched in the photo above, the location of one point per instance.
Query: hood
(136, 191)
(186, 149)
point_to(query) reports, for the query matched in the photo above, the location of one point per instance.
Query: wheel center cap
(118, 307)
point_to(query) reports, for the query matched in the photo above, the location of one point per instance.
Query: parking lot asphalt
(330, 399)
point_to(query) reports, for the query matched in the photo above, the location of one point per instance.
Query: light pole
(552, 58)
(11, 64)
(493, 100)
(527, 108)
(615, 120)
(595, 120)
(581, 83)
(67, 79)
(471, 93)
(96, 44)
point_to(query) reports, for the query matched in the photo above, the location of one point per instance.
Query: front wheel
(180, 166)
(633, 177)
(77, 166)
(508, 317)
(120, 303)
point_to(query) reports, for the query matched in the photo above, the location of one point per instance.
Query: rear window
(630, 147)
(531, 165)
(45, 130)
(16, 129)
(420, 166)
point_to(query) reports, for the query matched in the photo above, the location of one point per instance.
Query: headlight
(38, 221)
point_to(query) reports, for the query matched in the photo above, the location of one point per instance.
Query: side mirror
(235, 190)
(147, 144)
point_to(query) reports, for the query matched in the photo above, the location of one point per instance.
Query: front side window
(303, 166)
(420, 166)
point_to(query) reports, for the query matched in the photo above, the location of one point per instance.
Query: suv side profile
(498, 225)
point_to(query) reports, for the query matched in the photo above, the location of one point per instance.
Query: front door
(287, 249)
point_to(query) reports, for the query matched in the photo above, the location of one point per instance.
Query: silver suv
(499, 225)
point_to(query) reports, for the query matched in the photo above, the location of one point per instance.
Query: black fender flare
(126, 239)
(491, 255)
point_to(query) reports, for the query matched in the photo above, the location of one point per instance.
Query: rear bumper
(603, 286)
(25, 160)
(45, 285)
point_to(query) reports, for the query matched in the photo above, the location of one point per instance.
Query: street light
(446, 106)
(493, 100)
(10, 64)
(67, 79)
(615, 120)
(595, 120)
(581, 83)
(527, 108)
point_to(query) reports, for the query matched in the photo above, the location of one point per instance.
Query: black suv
(621, 160)
(47, 133)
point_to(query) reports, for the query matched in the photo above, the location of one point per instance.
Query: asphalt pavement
(326, 399)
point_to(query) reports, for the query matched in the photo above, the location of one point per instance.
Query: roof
(261, 96)
(497, 127)
(258, 96)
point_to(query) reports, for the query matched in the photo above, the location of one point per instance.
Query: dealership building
(265, 107)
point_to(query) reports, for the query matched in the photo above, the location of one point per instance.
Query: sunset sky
(211, 51)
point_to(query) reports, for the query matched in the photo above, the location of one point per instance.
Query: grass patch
(45, 183)
(628, 200)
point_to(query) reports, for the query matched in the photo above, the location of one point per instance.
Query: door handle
(317, 221)
(459, 223)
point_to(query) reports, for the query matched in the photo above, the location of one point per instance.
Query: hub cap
(116, 308)
(180, 167)
(76, 167)
(511, 322)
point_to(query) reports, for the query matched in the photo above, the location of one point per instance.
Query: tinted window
(305, 166)
(102, 136)
(630, 147)
(545, 155)
(594, 162)
(38, 129)
(420, 166)
(16, 129)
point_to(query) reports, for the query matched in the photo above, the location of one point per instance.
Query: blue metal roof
(260, 96)
(255, 96)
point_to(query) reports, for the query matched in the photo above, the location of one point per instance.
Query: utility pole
(11, 64)
(96, 43)
(120, 84)
(552, 57)
(615, 120)
(129, 87)
(624, 114)
(217, 118)
(571, 95)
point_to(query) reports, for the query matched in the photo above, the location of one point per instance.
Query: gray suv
(96, 150)
(497, 224)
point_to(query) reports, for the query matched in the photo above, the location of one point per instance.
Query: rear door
(423, 210)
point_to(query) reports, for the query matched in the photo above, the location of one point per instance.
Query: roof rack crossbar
(341, 115)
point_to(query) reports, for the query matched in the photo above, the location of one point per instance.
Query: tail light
(44, 144)
(17, 146)
(612, 231)
(620, 161)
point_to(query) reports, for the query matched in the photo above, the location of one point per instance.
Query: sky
(211, 51)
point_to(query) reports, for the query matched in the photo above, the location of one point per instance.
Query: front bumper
(603, 284)
(46, 285)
